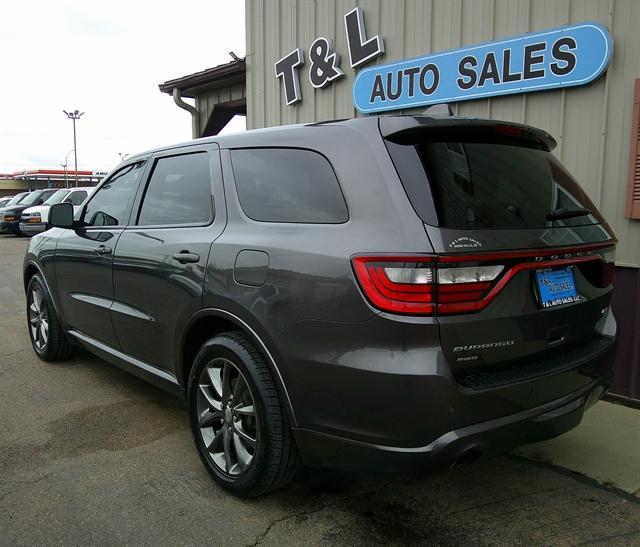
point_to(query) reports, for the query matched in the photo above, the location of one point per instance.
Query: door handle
(104, 250)
(185, 257)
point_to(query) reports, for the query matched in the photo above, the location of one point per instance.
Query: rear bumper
(395, 406)
(31, 229)
(465, 445)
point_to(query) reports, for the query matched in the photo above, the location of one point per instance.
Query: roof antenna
(442, 110)
(234, 56)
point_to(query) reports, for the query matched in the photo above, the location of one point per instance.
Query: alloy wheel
(38, 319)
(227, 418)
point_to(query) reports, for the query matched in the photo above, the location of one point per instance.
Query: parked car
(10, 215)
(5, 200)
(15, 200)
(34, 219)
(384, 293)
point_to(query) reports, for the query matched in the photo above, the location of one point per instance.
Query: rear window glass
(475, 185)
(287, 185)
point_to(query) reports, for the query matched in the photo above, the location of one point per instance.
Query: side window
(76, 198)
(109, 204)
(287, 185)
(179, 191)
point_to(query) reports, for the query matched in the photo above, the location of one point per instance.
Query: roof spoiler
(405, 129)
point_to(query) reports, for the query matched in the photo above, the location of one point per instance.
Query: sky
(104, 58)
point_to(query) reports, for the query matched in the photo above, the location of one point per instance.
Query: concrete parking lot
(91, 455)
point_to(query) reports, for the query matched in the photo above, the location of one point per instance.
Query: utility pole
(75, 115)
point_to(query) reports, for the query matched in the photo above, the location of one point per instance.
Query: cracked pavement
(92, 455)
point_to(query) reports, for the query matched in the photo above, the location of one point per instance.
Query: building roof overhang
(220, 76)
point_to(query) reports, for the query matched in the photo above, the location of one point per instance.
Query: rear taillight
(451, 284)
(464, 285)
(414, 285)
(397, 284)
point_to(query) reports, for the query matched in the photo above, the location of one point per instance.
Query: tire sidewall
(36, 281)
(228, 348)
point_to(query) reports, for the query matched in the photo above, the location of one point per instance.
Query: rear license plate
(556, 287)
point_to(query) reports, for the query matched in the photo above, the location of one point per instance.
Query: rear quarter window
(287, 185)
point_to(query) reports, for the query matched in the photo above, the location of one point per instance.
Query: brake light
(513, 130)
(397, 284)
(465, 284)
(448, 284)
(413, 285)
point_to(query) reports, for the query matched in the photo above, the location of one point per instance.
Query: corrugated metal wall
(206, 102)
(591, 123)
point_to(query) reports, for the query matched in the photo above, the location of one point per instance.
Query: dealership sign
(564, 57)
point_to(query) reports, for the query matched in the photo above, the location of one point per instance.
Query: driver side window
(111, 202)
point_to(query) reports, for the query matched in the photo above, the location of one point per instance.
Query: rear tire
(240, 427)
(45, 330)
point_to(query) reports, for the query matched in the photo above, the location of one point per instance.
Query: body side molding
(124, 357)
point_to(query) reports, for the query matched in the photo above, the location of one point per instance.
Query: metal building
(595, 124)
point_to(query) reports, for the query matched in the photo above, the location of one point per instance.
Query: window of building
(110, 203)
(288, 185)
(179, 191)
(632, 210)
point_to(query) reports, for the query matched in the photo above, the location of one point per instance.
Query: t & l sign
(568, 56)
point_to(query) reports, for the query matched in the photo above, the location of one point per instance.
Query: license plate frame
(556, 287)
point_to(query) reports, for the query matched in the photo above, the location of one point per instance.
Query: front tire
(240, 427)
(45, 330)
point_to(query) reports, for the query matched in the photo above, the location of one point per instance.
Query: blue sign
(564, 57)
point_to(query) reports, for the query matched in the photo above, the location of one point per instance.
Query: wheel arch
(29, 271)
(211, 321)
(32, 268)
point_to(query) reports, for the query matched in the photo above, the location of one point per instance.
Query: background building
(37, 179)
(596, 125)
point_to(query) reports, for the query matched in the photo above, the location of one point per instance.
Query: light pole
(64, 165)
(66, 183)
(75, 115)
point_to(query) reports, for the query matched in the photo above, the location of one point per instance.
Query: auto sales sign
(568, 56)
(563, 57)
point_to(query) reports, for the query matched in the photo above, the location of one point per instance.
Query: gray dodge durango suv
(387, 293)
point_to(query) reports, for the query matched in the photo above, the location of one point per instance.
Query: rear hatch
(523, 264)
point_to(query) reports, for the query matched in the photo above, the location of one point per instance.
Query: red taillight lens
(397, 284)
(608, 271)
(413, 285)
(464, 283)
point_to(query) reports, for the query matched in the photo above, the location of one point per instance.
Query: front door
(160, 259)
(84, 256)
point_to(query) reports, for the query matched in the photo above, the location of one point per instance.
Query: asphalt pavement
(92, 455)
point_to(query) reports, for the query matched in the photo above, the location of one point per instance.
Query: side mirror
(40, 201)
(61, 215)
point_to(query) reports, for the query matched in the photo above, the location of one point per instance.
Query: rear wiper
(564, 212)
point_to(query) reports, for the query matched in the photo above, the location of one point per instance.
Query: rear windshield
(480, 185)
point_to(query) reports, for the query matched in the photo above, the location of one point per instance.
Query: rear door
(525, 260)
(84, 256)
(160, 259)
